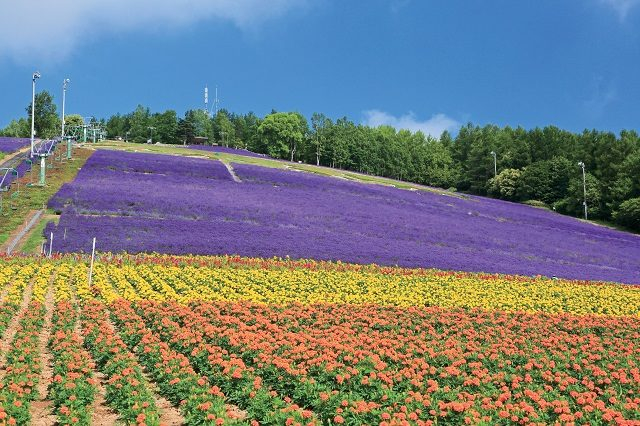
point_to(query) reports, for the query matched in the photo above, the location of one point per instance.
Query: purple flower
(171, 204)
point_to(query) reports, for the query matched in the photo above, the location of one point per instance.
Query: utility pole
(36, 75)
(64, 94)
(584, 187)
(495, 164)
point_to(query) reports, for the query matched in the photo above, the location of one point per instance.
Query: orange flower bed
(376, 365)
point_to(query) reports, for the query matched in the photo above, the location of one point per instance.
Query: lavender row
(7, 178)
(11, 145)
(273, 212)
(154, 186)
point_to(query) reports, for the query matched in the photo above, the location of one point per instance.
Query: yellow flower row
(18, 282)
(61, 285)
(41, 281)
(277, 284)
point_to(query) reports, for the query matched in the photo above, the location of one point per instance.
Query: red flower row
(73, 387)
(128, 391)
(18, 388)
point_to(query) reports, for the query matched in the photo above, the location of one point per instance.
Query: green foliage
(166, 127)
(573, 204)
(46, 121)
(224, 130)
(140, 120)
(546, 180)
(72, 120)
(536, 203)
(17, 129)
(505, 184)
(282, 134)
(628, 214)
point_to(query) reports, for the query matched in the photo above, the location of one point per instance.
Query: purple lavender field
(226, 150)
(7, 177)
(168, 204)
(10, 145)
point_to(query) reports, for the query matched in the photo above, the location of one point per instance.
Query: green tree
(282, 133)
(505, 185)
(140, 121)
(546, 181)
(17, 129)
(224, 131)
(46, 121)
(573, 204)
(628, 214)
(115, 126)
(72, 120)
(167, 129)
(319, 124)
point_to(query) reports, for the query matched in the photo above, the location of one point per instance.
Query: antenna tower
(206, 99)
(216, 102)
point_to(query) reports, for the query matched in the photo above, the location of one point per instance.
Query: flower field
(230, 340)
(10, 145)
(133, 202)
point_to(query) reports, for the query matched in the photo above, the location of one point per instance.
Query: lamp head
(493, 153)
(36, 75)
(581, 164)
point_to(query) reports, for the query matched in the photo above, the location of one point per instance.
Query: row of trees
(537, 166)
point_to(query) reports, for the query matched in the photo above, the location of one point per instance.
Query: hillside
(153, 203)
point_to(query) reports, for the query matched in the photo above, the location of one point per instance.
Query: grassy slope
(34, 198)
(267, 162)
(34, 237)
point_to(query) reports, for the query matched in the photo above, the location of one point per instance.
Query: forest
(539, 166)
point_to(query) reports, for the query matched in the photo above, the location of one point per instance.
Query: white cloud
(621, 7)
(49, 30)
(434, 126)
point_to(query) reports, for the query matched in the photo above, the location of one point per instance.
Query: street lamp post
(584, 187)
(152, 129)
(495, 164)
(36, 75)
(64, 95)
(126, 136)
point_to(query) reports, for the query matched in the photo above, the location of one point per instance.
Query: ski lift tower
(44, 150)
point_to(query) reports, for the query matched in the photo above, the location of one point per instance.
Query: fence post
(93, 254)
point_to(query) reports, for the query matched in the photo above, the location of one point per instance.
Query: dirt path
(14, 234)
(102, 415)
(9, 157)
(41, 408)
(20, 244)
(10, 332)
(169, 415)
(233, 174)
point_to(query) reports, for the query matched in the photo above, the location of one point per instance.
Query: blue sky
(413, 64)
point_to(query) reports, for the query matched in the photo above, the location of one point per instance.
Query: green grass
(34, 242)
(34, 198)
(613, 225)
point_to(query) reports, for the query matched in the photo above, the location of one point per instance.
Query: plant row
(127, 390)
(199, 402)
